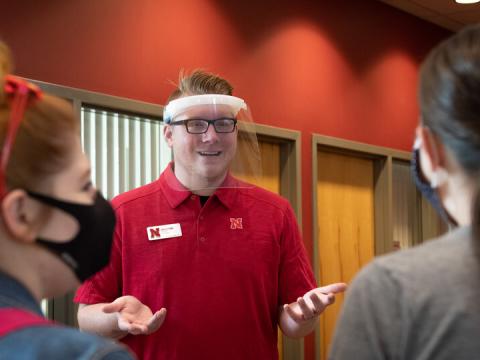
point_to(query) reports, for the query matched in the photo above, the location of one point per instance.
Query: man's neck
(200, 186)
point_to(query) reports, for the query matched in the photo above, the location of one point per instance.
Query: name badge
(160, 232)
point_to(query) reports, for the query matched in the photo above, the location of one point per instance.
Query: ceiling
(445, 13)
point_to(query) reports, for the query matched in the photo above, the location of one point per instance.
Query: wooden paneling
(345, 201)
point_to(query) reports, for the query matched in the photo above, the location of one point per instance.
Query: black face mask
(89, 250)
(426, 189)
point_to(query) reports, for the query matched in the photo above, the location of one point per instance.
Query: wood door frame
(98, 100)
(383, 159)
(290, 162)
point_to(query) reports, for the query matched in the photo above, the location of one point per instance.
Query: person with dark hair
(223, 256)
(423, 303)
(56, 230)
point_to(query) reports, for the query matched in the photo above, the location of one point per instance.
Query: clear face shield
(213, 138)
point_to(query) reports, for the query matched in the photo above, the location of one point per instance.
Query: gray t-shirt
(421, 303)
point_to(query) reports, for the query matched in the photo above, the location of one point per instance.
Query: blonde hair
(43, 142)
(200, 82)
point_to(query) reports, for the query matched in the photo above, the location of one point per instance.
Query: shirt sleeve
(105, 285)
(295, 273)
(369, 326)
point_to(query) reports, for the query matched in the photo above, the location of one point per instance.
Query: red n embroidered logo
(236, 223)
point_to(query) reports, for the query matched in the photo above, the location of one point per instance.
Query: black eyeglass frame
(209, 122)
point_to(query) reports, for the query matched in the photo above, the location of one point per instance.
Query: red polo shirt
(238, 258)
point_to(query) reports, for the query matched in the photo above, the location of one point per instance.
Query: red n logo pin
(154, 232)
(236, 223)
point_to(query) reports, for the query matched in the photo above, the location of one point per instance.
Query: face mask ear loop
(439, 177)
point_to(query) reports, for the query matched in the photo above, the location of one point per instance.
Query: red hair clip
(20, 93)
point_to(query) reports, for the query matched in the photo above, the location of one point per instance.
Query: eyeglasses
(200, 126)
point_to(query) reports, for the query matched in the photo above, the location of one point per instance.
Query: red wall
(344, 68)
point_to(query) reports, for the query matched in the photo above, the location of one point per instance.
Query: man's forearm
(293, 329)
(91, 318)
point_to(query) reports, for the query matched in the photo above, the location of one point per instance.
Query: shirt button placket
(201, 229)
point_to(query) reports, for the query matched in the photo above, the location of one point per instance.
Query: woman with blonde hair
(55, 228)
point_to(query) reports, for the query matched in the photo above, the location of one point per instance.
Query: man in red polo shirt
(223, 256)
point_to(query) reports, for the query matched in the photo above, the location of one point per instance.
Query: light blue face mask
(425, 188)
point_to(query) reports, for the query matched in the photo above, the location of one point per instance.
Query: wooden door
(345, 218)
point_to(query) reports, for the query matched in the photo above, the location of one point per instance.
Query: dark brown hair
(449, 97)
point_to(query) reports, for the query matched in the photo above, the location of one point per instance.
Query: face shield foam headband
(178, 106)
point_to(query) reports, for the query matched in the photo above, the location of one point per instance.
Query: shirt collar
(14, 294)
(228, 191)
(176, 193)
